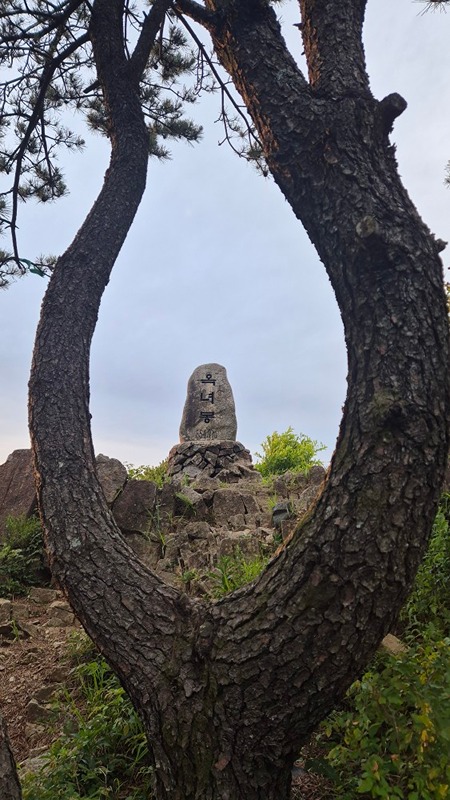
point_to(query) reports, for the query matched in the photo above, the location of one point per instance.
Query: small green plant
(144, 472)
(189, 575)
(22, 556)
(80, 648)
(234, 571)
(272, 501)
(429, 602)
(185, 502)
(103, 753)
(393, 737)
(287, 451)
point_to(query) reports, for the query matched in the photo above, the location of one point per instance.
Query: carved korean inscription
(209, 411)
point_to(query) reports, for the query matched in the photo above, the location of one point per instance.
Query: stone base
(227, 460)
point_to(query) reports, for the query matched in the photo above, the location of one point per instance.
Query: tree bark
(9, 782)
(229, 691)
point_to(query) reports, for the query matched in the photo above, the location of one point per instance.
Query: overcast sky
(217, 269)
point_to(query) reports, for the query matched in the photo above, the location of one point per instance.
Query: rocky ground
(34, 665)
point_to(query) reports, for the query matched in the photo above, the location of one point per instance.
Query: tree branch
(56, 21)
(47, 76)
(333, 46)
(198, 13)
(150, 28)
(223, 87)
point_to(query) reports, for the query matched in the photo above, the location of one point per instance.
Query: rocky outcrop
(17, 491)
(112, 476)
(188, 525)
(213, 505)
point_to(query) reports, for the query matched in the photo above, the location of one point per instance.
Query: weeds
(232, 572)
(22, 557)
(103, 752)
(429, 603)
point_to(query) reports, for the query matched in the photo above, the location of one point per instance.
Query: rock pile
(227, 460)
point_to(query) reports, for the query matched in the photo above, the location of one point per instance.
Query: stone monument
(208, 446)
(209, 412)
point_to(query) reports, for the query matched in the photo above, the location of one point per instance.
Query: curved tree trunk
(9, 782)
(229, 692)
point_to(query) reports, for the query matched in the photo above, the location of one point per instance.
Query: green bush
(429, 603)
(287, 451)
(103, 752)
(144, 472)
(22, 556)
(394, 739)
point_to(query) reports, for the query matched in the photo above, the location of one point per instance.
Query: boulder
(226, 504)
(5, 611)
(316, 474)
(133, 510)
(112, 476)
(17, 489)
(281, 512)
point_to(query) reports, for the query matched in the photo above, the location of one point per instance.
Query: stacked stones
(227, 460)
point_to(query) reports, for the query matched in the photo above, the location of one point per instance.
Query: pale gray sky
(217, 269)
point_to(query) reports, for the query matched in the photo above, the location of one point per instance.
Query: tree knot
(390, 108)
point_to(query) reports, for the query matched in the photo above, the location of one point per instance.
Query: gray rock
(226, 504)
(60, 610)
(236, 522)
(197, 530)
(189, 503)
(205, 484)
(112, 476)
(209, 412)
(37, 713)
(281, 512)
(55, 622)
(242, 541)
(251, 505)
(5, 611)
(17, 490)
(47, 693)
(316, 474)
(307, 496)
(133, 510)
(20, 611)
(43, 596)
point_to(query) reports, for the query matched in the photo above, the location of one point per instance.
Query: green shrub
(287, 451)
(429, 603)
(144, 472)
(394, 739)
(232, 572)
(103, 753)
(22, 556)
